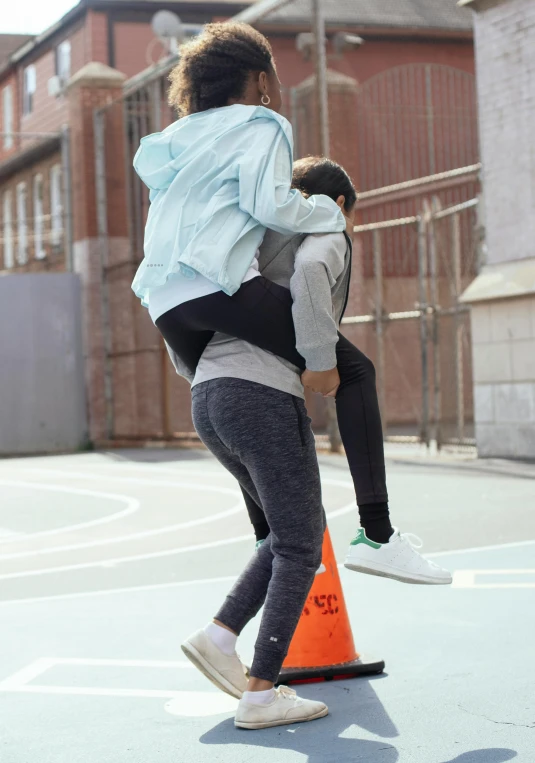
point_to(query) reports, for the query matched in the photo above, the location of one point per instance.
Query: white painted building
(503, 295)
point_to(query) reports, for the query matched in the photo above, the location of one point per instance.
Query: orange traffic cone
(322, 646)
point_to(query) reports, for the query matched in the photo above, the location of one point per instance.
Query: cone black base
(364, 666)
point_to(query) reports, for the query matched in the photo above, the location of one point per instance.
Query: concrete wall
(505, 58)
(504, 363)
(42, 397)
(503, 295)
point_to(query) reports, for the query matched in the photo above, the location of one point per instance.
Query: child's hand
(324, 382)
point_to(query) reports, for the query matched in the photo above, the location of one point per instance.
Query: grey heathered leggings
(263, 437)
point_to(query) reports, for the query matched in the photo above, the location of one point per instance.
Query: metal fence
(416, 247)
(421, 331)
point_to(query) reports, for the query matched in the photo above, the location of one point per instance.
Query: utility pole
(321, 76)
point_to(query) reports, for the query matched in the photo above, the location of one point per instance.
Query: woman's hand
(324, 382)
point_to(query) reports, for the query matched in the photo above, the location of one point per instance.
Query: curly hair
(316, 174)
(214, 67)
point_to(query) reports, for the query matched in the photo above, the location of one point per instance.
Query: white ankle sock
(224, 640)
(259, 697)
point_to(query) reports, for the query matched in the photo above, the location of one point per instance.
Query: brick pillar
(93, 86)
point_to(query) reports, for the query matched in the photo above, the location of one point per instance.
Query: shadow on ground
(489, 755)
(156, 455)
(333, 738)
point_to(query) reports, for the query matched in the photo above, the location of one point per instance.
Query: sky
(31, 16)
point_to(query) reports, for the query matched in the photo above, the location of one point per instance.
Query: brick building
(417, 63)
(503, 295)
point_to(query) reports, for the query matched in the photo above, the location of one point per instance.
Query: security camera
(305, 43)
(343, 42)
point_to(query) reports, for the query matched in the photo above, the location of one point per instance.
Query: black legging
(260, 312)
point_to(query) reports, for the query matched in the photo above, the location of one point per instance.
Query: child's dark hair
(315, 174)
(214, 67)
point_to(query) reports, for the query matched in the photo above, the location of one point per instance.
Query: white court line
(102, 692)
(132, 505)
(156, 554)
(193, 704)
(105, 592)
(184, 703)
(141, 534)
(474, 549)
(204, 581)
(6, 535)
(123, 559)
(27, 674)
(467, 578)
(20, 680)
(96, 661)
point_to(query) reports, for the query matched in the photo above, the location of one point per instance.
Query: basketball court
(109, 559)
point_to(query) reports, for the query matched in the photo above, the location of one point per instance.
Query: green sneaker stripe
(360, 537)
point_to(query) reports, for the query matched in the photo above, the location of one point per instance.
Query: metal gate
(419, 240)
(417, 331)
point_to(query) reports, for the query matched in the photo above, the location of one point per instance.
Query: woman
(219, 177)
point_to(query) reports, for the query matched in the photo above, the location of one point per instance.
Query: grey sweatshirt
(316, 268)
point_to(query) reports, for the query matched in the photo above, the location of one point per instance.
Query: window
(28, 91)
(22, 225)
(56, 206)
(38, 217)
(63, 61)
(7, 109)
(7, 232)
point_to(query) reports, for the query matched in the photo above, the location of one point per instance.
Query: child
(219, 177)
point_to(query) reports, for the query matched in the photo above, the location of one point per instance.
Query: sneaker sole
(384, 573)
(209, 671)
(269, 724)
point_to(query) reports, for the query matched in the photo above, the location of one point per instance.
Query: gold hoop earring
(265, 100)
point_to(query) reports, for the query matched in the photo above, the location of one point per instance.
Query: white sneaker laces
(416, 542)
(286, 693)
(413, 540)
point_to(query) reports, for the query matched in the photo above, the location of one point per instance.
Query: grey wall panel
(42, 396)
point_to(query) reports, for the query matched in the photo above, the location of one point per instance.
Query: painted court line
(475, 549)
(467, 578)
(155, 554)
(213, 581)
(133, 536)
(20, 680)
(183, 703)
(7, 535)
(97, 661)
(132, 505)
(149, 587)
(23, 677)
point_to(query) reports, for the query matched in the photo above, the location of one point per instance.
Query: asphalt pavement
(107, 560)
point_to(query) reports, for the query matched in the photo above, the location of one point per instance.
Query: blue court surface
(107, 560)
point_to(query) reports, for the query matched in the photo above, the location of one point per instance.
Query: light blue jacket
(217, 180)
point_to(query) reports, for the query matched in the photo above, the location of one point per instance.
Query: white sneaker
(321, 569)
(227, 672)
(397, 559)
(286, 708)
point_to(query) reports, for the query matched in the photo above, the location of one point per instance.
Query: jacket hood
(162, 155)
